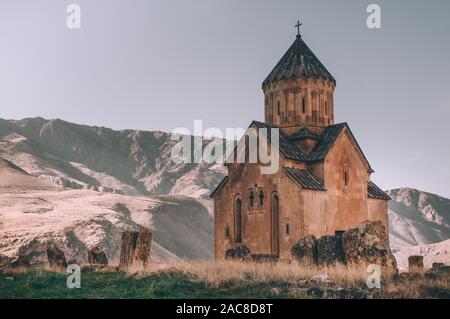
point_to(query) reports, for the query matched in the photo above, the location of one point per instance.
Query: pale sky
(158, 65)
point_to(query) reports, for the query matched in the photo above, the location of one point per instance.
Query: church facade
(323, 184)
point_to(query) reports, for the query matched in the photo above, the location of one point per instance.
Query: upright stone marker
(136, 250)
(415, 263)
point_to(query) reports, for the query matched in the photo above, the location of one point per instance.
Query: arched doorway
(275, 225)
(238, 220)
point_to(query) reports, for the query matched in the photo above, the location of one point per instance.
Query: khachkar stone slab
(329, 250)
(305, 250)
(368, 243)
(136, 249)
(415, 263)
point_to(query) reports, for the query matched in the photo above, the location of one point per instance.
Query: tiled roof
(374, 191)
(286, 146)
(326, 141)
(304, 178)
(298, 61)
(304, 133)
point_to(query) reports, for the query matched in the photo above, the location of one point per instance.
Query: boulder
(56, 257)
(4, 260)
(437, 265)
(329, 250)
(135, 250)
(368, 243)
(305, 250)
(415, 263)
(438, 273)
(20, 261)
(96, 256)
(240, 252)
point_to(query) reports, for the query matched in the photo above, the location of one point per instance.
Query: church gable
(328, 139)
(286, 146)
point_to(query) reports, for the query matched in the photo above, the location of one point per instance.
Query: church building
(322, 186)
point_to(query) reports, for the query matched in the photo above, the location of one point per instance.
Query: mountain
(82, 186)
(14, 179)
(83, 157)
(77, 220)
(417, 218)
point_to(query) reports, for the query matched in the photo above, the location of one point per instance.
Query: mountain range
(83, 185)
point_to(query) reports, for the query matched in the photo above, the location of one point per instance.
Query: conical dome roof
(298, 61)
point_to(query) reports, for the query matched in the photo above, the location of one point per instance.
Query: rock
(9, 278)
(99, 268)
(96, 256)
(407, 277)
(368, 243)
(136, 250)
(4, 261)
(438, 273)
(20, 261)
(56, 257)
(438, 265)
(275, 291)
(36, 253)
(240, 252)
(415, 263)
(320, 279)
(305, 250)
(329, 250)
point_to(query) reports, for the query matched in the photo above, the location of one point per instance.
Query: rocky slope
(34, 212)
(433, 253)
(418, 218)
(84, 157)
(82, 186)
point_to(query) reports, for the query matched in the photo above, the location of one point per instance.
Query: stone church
(322, 186)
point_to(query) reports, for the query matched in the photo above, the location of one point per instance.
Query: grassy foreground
(219, 280)
(44, 284)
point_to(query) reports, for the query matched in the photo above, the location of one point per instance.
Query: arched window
(275, 225)
(238, 220)
(346, 177)
(279, 107)
(295, 107)
(303, 105)
(287, 107)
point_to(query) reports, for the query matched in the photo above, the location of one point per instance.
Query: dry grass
(231, 273)
(285, 279)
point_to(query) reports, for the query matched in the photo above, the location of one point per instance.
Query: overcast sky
(158, 65)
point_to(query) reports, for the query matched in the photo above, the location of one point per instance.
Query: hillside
(84, 185)
(78, 220)
(84, 157)
(418, 218)
(433, 253)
